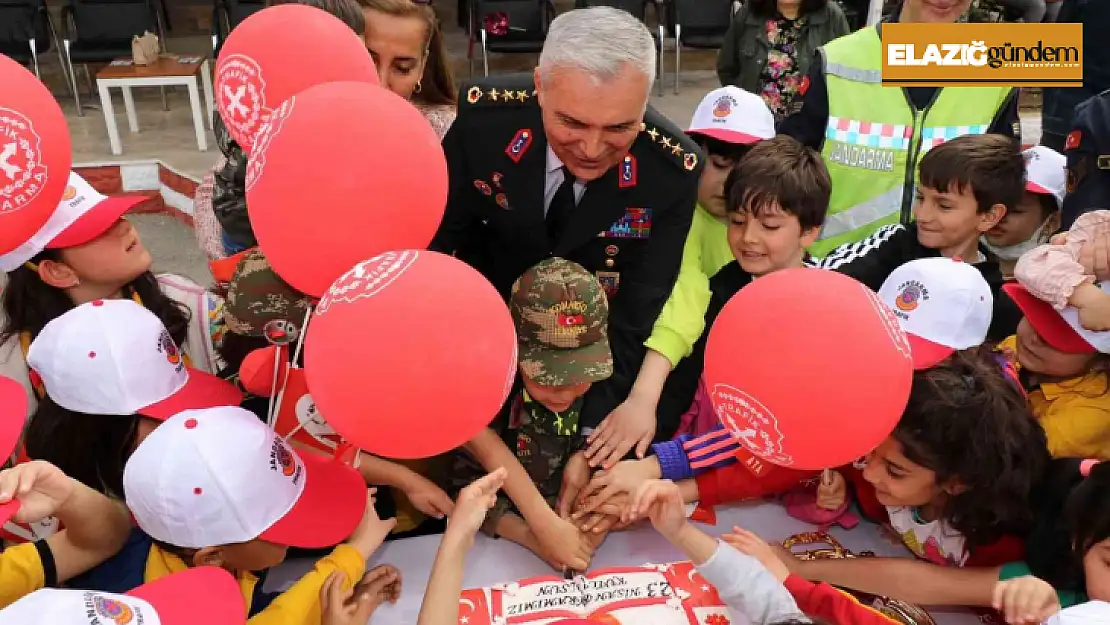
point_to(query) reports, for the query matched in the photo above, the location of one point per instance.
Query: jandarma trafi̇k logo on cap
(1016, 55)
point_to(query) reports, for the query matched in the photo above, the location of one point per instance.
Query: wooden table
(169, 70)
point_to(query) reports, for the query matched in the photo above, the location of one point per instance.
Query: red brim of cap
(13, 414)
(1033, 187)
(927, 354)
(1047, 322)
(203, 390)
(175, 597)
(329, 509)
(95, 222)
(728, 136)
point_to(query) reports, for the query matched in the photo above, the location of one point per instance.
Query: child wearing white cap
(169, 601)
(111, 372)
(217, 487)
(1036, 216)
(96, 528)
(726, 124)
(1065, 368)
(88, 251)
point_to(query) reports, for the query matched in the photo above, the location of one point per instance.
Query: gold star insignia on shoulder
(665, 142)
(522, 96)
(653, 133)
(493, 93)
(676, 149)
(474, 94)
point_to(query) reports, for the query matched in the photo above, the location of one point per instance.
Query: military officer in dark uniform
(573, 162)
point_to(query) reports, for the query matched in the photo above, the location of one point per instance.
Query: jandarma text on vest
(875, 159)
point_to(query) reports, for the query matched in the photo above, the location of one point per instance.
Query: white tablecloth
(500, 561)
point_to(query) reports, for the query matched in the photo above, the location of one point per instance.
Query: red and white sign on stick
(35, 154)
(277, 53)
(808, 368)
(410, 354)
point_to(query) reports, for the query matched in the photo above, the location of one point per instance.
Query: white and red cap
(943, 305)
(83, 215)
(114, 357)
(1046, 172)
(1060, 329)
(733, 115)
(220, 476)
(205, 594)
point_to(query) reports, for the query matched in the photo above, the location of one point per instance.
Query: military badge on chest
(635, 224)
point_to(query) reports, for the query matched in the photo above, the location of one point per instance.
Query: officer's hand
(631, 424)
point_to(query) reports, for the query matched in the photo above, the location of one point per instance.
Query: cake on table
(656, 594)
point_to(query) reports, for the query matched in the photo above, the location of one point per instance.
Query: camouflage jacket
(229, 195)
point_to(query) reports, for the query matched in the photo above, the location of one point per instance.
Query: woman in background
(770, 44)
(405, 40)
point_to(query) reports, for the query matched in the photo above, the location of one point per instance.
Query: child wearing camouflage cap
(562, 317)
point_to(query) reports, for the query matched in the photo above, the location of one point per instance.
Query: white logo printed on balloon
(242, 93)
(751, 422)
(367, 278)
(256, 164)
(890, 323)
(22, 172)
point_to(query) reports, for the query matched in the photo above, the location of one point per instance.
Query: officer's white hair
(601, 40)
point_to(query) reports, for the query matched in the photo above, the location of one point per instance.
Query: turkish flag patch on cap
(1073, 139)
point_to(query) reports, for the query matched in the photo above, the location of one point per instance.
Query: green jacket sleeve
(683, 318)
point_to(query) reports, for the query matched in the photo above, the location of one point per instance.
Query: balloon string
(273, 387)
(271, 416)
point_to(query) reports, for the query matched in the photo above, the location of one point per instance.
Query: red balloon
(808, 368)
(35, 155)
(277, 53)
(346, 171)
(256, 373)
(410, 354)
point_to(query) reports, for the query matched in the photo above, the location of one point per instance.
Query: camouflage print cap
(256, 295)
(562, 322)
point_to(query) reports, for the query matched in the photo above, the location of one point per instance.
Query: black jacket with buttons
(629, 228)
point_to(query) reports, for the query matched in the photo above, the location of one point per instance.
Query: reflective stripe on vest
(874, 138)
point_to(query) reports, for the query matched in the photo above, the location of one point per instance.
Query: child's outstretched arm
(441, 597)
(424, 495)
(559, 536)
(742, 582)
(910, 580)
(95, 526)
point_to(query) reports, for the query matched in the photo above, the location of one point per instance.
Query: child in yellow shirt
(96, 527)
(1065, 368)
(217, 487)
(726, 124)
(168, 601)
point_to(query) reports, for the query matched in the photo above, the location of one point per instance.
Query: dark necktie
(562, 205)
